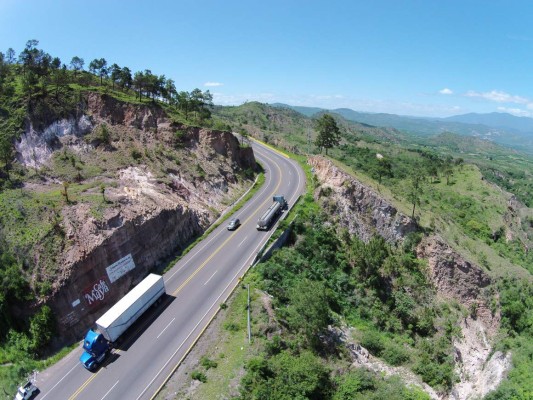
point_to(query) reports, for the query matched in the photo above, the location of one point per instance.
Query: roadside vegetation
(38, 89)
(448, 185)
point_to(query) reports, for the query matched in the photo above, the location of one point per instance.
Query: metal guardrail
(263, 254)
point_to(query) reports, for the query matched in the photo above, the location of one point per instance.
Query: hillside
(290, 129)
(473, 252)
(501, 120)
(94, 173)
(500, 128)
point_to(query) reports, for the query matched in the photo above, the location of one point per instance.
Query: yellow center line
(116, 351)
(225, 241)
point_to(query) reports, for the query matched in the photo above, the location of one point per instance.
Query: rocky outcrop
(148, 224)
(152, 206)
(479, 370)
(114, 112)
(358, 207)
(34, 148)
(364, 213)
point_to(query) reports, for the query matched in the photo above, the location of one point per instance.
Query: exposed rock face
(146, 217)
(34, 148)
(359, 208)
(455, 278)
(148, 224)
(365, 213)
(118, 113)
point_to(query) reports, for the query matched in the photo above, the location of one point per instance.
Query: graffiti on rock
(95, 294)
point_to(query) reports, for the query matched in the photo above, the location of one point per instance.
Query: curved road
(195, 287)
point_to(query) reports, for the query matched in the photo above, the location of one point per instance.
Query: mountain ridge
(502, 128)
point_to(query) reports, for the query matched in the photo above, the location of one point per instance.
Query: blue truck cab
(96, 348)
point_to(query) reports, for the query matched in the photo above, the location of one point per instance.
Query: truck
(110, 326)
(270, 215)
(27, 391)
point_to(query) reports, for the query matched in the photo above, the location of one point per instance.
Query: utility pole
(249, 325)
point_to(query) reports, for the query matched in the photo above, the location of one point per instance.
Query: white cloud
(213, 84)
(517, 111)
(499, 97)
(446, 91)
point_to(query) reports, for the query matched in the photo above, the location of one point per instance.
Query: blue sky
(423, 58)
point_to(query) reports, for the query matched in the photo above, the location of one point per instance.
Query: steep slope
(124, 187)
(365, 213)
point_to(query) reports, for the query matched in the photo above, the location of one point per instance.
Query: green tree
(170, 91)
(99, 67)
(383, 168)
(328, 133)
(34, 60)
(41, 329)
(116, 73)
(200, 103)
(125, 80)
(59, 79)
(308, 310)
(138, 83)
(447, 169)
(415, 187)
(76, 64)
(15, 289)
(286, 377)
(11, 56)
(184, 103)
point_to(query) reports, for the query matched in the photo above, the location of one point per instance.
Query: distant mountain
(501, 128)
(499, 120)
(307, 111)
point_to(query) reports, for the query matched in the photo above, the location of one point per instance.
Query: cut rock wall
(145, 219)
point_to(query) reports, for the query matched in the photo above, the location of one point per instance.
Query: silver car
(234, 224)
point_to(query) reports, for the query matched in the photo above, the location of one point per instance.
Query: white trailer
(123, 314)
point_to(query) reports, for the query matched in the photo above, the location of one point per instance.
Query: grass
(12, 375)
(222, 364)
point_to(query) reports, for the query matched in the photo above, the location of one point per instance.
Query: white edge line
(199, 250)
(112, 387)
(165, 328)
(252, 254)
(58, 382)
(196, 326)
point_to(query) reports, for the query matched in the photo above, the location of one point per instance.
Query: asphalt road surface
(195, 288)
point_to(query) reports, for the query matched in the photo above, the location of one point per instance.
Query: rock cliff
(358, 207)
(151, 205)
(364, 213)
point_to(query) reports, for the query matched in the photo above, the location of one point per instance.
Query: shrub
(395, 354)
(372, 342)
(199, 376)
(232, 326)
(135, 154)
(207, 363)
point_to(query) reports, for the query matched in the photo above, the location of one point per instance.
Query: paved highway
(195, 287)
